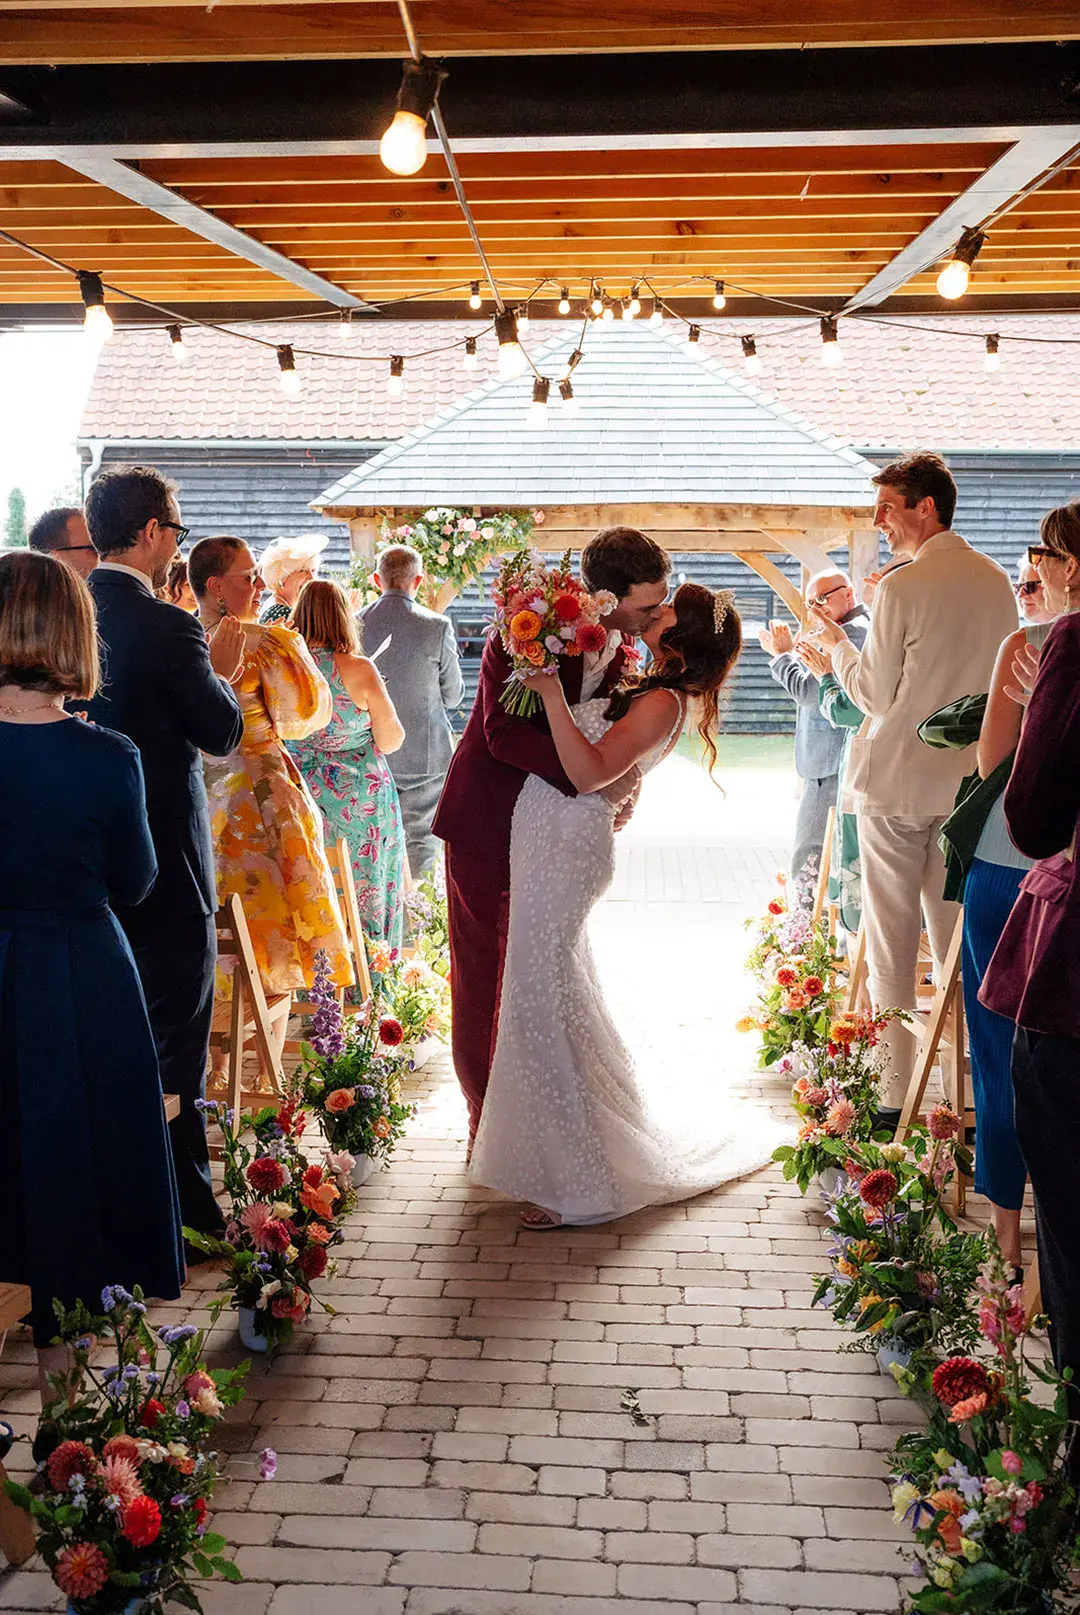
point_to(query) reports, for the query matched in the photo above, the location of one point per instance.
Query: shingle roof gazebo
(664, 439)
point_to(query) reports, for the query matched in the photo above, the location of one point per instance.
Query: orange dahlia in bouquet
(543, 613)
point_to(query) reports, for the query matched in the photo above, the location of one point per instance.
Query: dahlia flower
(958, 1378)
(878, 1188)
(81, 1570)
(266, 1175)
(69, 1459)
(121, 1479)
(142, 1522)
(840, 1117)
(943, 1123)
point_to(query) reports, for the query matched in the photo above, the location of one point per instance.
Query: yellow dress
(267, 832)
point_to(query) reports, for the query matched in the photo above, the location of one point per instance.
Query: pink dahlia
(878, 1188)
(81, 1570)
(943, 1123)
(69, 1459)
(121, 1479)
(840, 1117)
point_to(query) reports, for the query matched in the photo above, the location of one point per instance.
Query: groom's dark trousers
(496, 755)
(159, 688)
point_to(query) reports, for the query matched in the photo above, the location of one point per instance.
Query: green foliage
(15, 520)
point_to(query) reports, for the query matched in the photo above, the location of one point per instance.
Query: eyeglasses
(74, 549)
(181, 532)
(1039, 552)
(1032, 586)
(820, 599)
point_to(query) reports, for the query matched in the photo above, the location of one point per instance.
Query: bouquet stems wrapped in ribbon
(543, 613)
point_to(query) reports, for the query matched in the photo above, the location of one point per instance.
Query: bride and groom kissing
(558, 1116)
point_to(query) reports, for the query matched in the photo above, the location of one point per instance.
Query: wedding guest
(934, 634)
(1034, 976)
(176, 589)
(62, 532)
(169, 691)
(1030, 594)
(344, 764)
(267, 833)
(87, 1190)
(423, 675)
(287, 565)
(818, 745)
(845, 876)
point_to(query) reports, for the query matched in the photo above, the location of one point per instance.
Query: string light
(832, 354)
(511, 357)
(596, 301)
(574, 360)
(97, 322)
(607, 312)
(992, 360)
(566, 393)
(693, 335)
(629, 309)
(289, 377)
(564, 301)
(523, 317)
(475, 300)
(635, 300)
(403, 147)
(719, 300)
(176, 342)
(470, 361)
(750, 356)
(538, 409)
(953, 279)
(657, 315)
(395, 377)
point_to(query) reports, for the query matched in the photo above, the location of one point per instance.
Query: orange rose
(321, 1200)
(948, 1529)
(795, 999)
(534, 652)
(525, 625)
(381, 1127)
(341, 1099)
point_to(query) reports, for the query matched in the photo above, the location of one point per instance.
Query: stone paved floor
(455, 1440)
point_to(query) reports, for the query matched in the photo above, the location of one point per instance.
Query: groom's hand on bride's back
(623, 794)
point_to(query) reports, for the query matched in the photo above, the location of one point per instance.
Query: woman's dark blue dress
(87, 1191)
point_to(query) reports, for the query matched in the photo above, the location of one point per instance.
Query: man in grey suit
(818, 746)
(423, 675)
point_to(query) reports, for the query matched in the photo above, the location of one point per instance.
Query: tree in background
(15, 521)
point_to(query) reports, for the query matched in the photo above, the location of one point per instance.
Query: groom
(496, 755)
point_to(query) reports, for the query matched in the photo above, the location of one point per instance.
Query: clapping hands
(776, 639)
(813, 657)
(227, 643)
(1025, 670)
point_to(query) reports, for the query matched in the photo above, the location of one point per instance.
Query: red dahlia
(151, 1413)
(313, 1177)
(591, 637)
(958, 1378)
(312, 1263)
(142, 1522)
(266, 1175)
(567, 608)
(878, 1188)
(391, 1031)
(70, 1458)
(198, 1508)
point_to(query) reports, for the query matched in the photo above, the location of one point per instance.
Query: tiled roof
(657, 422)
(229, 389)
(904, 382)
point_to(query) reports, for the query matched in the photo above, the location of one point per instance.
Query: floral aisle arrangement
(543, 613)
(454, 545)
(350, 1079)
(420, 1000)
(903, 1273)
(281, 1224)
(428, 921)
(983, 1486)
(834, 1093)
(125, 1476)
(795, 964)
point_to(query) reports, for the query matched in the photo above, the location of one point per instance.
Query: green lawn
(744, 751)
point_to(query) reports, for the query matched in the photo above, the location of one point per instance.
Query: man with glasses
(62, 534)
(168, 689)
(818, 746)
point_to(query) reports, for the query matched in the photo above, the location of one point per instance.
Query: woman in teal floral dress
(344, 764)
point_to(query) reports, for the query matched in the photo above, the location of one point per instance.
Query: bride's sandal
(538, 1221)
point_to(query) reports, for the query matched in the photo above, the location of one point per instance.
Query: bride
(567, 1124)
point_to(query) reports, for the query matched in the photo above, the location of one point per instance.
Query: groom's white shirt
(595, 665)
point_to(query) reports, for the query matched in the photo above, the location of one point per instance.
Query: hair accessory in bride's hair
(723, 600)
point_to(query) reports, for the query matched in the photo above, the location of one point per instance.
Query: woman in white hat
(286, 565)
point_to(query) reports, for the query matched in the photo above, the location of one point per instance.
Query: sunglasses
(1032, 586)
(1039, 552)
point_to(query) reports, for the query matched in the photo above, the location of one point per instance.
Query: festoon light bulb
(751, 358)
(719, 300)
(403, 147)
(992, 361)
(538, 409)
(177, 345)
(395, 376)
(97, 321)
(475, 300)
(568, 396)
(953, 280)
(470, 361)
(564, 301)
(288, 375)
(832, 354)
(511, 358)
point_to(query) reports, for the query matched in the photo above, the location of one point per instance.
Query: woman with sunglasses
(1034, 977)
(990, 890)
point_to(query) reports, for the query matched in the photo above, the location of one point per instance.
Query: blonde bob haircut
(322, 616)
(48, 630)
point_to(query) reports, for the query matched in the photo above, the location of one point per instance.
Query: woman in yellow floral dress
(267, 833)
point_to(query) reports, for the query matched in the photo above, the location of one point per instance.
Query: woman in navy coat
(87, 1192)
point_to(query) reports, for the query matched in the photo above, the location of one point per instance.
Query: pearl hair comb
(723, 601)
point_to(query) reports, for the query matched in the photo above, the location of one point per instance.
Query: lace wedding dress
(567, 1121)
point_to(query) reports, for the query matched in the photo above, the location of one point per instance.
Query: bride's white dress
(568, 1123)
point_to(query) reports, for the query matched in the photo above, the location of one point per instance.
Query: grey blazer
(423, 675)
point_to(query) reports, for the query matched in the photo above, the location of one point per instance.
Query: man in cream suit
(934, 635)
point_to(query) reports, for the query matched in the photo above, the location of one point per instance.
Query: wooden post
(863, 549)
(765, 568)
(363, 537)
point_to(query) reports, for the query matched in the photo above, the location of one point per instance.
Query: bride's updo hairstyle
(695, 658)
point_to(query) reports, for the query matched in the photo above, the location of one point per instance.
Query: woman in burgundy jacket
(1034, 976)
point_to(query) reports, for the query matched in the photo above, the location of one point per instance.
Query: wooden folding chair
(856, 972)
(940, 1033)
(340, 861)
(822, 890)
(249, 1014)
(16, 1526)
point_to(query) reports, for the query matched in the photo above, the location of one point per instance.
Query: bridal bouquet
(543, 613)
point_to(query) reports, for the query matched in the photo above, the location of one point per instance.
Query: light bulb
(564, 301)
(475, 300)
(719, 300)
(751, 357)
(403, 147)
(634, 304)
(628, 311)
(831, 352)
(523, 317)
(954, 279)
(176, 344)
(596, 302)
(657, 315)
(511, 358)
(568, 396)
(538, 409)
(289, 377)
(992, 361)
(608, 313)
(395, 379)
(470, 361)
(693, 335)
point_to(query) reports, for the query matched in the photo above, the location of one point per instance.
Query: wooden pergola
(682, 477)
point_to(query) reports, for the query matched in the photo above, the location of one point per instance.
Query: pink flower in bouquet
(878, 1188)
(121, 1479)
(69, 1459)
(1011, 1462)
(814, 1096)
(591, 638)
(319, 1234)
(201, 1393)
(840, 1117)
(254, 1219)
(276, 1235)
(121, 1447)
(796, 999)
(81, 1570)
(295, 1310)
(969, 1408)
(943, 1123)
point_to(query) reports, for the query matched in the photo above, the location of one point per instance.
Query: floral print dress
(267, 833)
(348, 776)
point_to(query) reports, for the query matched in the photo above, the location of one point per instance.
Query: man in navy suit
(169, 691)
